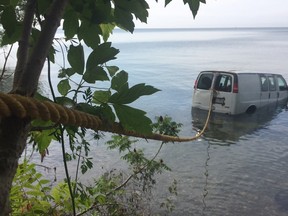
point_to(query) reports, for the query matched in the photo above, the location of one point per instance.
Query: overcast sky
(218, 13)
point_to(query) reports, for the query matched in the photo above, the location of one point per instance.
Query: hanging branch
(5, 62)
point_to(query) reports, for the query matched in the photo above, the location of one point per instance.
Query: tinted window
(281, 83)
(264, 83)
(272, 86)
(223, 83)
(205, 81)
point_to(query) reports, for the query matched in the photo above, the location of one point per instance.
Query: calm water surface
(239, 167)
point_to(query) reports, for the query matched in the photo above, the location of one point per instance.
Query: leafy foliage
(165, 125)
(193, 5)
(87, 24)
(30, 191)
(111, 194)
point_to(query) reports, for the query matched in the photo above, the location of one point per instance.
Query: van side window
(223, 83)
(264, 83)
(281, 83)
(205, 81)
(272, 86)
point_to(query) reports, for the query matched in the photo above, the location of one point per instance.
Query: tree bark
(13, 135)
(13, 130)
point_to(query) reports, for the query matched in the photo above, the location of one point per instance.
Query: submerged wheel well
(251, 109)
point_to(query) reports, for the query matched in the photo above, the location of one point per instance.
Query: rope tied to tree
(31, 108)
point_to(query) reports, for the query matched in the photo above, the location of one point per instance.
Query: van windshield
(223, 83)
(205, 81)
(281, 83)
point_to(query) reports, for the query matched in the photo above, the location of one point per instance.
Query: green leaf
(101, 199)
(107, 30)
(124, 19)
(8, 20)
(76, 58)
(112, 70)
(5, 2)
(63, 87)
(84, 107)
(41, 97)
(194, 5)
(100, 97)
(51, 54)
(14, 3)
(139, 9)
(96, 73)
(43, 6)
(167, 2)
(70, 24)
(101, 54)
(41, 123)
(125, 9)
(89, 33)
(44, 181)
(11, 39)
(65, 101)
(107, 114)
(126, 96)
(43, 139)
(133, 119)
(119, 81)
(101, 12)
(66, 71)
(34, 193)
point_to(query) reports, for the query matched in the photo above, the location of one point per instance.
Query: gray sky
(218, 13)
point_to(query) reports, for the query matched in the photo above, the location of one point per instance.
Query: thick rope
(27, 107)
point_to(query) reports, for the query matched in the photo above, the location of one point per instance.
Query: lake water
(239, 167)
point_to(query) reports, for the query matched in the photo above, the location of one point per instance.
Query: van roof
(240, 72)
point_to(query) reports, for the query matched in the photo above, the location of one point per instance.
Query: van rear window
(205, 81)
(223, 83)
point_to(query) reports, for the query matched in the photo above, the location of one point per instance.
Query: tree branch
(22, 53)
(28, 82)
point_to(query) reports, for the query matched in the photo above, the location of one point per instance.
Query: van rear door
(221, 82)
(202, 93)
(224, 96)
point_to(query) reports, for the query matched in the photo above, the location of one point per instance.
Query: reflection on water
(281, 199)
(206, 174)
(242, 189)
(225, 129)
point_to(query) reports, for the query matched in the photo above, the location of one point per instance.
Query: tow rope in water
(27, 107)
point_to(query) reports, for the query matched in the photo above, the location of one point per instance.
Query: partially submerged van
(236, 92)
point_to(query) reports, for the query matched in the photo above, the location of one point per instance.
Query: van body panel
(238, 92)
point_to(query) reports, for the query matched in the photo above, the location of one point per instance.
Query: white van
(238, 92)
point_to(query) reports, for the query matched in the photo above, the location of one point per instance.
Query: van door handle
(277, 94)
(269, 95)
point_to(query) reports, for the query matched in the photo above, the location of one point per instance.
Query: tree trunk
(14, 131)
(13, 135)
